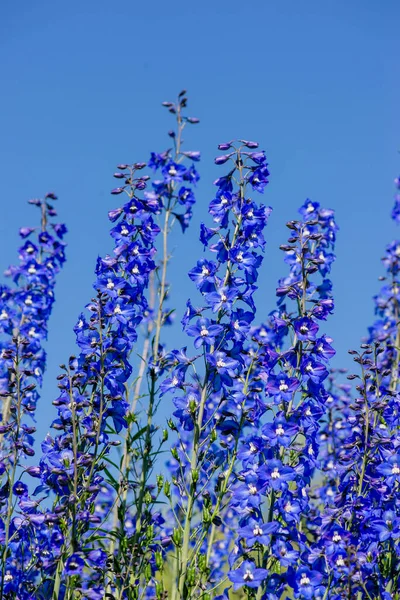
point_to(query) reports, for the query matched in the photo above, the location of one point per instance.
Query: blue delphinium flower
(289, 382)
(206, 451)
(92, 401)
(247, 574)
(357, 538)
(25, 309)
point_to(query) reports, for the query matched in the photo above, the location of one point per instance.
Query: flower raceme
(356, 545)
(25, 309)
(279, 447)
(210, 408)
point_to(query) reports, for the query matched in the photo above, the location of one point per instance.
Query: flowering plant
(281, 479)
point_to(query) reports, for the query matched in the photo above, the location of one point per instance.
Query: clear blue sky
(316, 82)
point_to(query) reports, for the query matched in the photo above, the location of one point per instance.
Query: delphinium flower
(138, 491)
(25, 308)
(279, 453)
(92, 403)
(210, 388)
(357, 544)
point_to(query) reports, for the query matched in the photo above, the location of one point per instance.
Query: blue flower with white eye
(247, 574)
(219, 208)
(173, 172)
(322, 348)
(203, 274)
(306, 583)
(175, 382)
(205, 332)
(257, 532)
(277, 475)
(290, 508)
(281, 387)
(279, 432)
(306, 329)
(250, 449)
(259, 178)
(313, 370)
(250, 493)
(223, 298)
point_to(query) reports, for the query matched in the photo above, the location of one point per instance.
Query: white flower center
(279, 430)
(205, 272)
(32, 270)
(110, 284)
(275, 473)
(336, 537)
(221, 363)
(204, 332)
(172, 171)
(239, 256)
(248, 576)
(304, 580)
(396, 469)
(4, 314)
(283, 387)
(257, 530)
(29, 300)
(124, 230)
(117, 310)
(31, 332)
(224, 200)
(252, 489)
(253, 448)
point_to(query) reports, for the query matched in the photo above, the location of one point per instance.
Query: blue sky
(316, 83)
